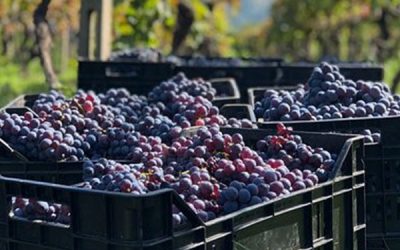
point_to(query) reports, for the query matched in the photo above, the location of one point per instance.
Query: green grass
(391, 67)
(14, 81)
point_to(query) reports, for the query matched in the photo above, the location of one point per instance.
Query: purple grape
(277, 187)
(230, 206)
(244, 196)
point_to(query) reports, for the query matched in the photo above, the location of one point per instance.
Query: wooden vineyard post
(95, 29)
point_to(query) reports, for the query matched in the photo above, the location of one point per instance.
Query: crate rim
(261, 120)
(98, 61)
(345, 65)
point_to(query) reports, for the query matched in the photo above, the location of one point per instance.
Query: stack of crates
(330, 215)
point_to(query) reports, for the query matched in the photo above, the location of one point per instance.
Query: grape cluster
(137, 54)
(201, 61)
(116, 143)
(239, 123)
(212, 163)
(328, 95)
(286, 149)
(132, 110)
(188, 103)
(110, 124)
(47, 138)
(44, 102)
(113, 176)
(199, 190)
(196, 112)
(121, 102)
(247, 177)
(167, 91)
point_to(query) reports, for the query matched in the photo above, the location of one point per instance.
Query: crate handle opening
(39, 211)
(129, 71)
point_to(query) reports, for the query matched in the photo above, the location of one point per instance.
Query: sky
(251, 11)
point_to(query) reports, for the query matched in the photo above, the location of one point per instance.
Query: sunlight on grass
(14, 81)
(391, 67)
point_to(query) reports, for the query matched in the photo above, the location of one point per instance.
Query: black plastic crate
(244, 111)
(66, 173)
(296, 73)
(137, 77)
(246, 70)
(201, 61)
(245, 76)
(125, 69)
(141, 78)
(383, 244)
(327, 216)
(382, 173)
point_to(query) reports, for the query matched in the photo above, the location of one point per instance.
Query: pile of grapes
(214, 173)
(151, 55)
(201, 61)
(328, 95)
(138, 55)
(114, 124)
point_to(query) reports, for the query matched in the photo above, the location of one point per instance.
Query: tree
(177, 26)
(358, 30)
(44, 41)
(18, 43)
(184, 22)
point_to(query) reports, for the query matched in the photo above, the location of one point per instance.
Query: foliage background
(349, 30)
